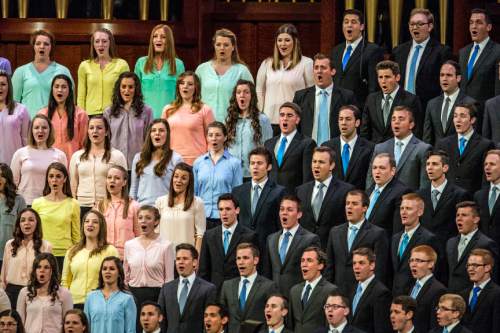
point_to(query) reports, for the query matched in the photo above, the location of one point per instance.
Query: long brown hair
(69, 104)
(46, 33)
(87, 144)
(291, 30)
(102, 243)
(19, 236)
(235, 56)
(61, 168)
(168, 54)
(196, 104)
(9, 99)
(148, 148)
(33, 284)
(121, 273)
(10, 188)
(104, 204)
(188, 202)
(112, 45)
(117, 100)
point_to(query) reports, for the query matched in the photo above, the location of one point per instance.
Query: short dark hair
(156, 305)
(223, 312)
(321, 56)
(455, 64)
(482, 11)
(294, 198)
(344, 298)
(445, 159)
(407, 109)
(388, 64)
(283, 298)
(392, 161)
(365, 252)
(320, 254)
(294, 106)
(469, 204)
(356, 12)
(355, 110)
(261, 151)
(219, 125)
(407, 303)
(188, 247)
(325, 149)
(228, 197)
(252, 247)
(472, 108)
(365, 199)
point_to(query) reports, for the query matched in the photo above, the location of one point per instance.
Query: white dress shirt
(453, 97)
(482, 45)
(292, 231)
(289, 139)
(339, 328)
(181, 285)
(354, 45)
(231, 232)
(351, 144)
(251, 279)
(313, 284)
(405, 142)
(440, 188)
(393, 96)
(326, 182)
(261, 187)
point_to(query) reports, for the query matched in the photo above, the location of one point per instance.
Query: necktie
(323, 132)
(345, 158)
(305, 298)
(434, 198)
(318, 200)
(386, 109)
(415, 290)
(403, 245)
(226, 240)
(334, 330)
(397, 151)
(373, 201)
(352, 236)
(492, 199)
(356, 298)
(284, 245)
(444, 114)
(461, 146)
(470, 64)
(255, 198)
(461, 246)
(445, 330)
(243, 294)
(413, 69)
(281, 151)
(347, 55)
(183, 295)
(473, 300)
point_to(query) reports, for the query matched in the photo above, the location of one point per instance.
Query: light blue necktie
(243, 294)
(183, 296)
(404, 244)
(284, 245)
(473, 300)
(345, 158)
(445, 330)
(281, 151)
(397, 151)
(461, 146)
(413, 69)
(226, 240)
(318, 201)
(492, 199)
(255, 198)
(323, 132)
(352, 236)
(373, 201)
(305, 298)
(356, 298)
(470, 64)
(416, 289)
(347, 55)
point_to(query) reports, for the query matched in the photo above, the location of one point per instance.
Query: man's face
(382, 172)
(354, 209)
(259, 167)
(323, 73)
(321, 166)
(477, 270)
(228, 212)
(399, 317)
(246, 262)
(352, 27)
(420, 27)
(421, 264)
(479, 29)
(387, 80)
(310, 266)
(466, 220)
(362, 268)
(401, 124)
(274, 312)
(214, 323)
(447, 314)
(336, 312)
(448, 79)
(348, 123)
(492, 168)
(462, 120)
(435, 168)
(410, 211)
(150, 318)
(289, 214)
(185, 263)
(288, 120)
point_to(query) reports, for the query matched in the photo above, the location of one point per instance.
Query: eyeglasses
(9, 324)
(417, 24)
(418, 261)
(475, 266)
(333, 306)
(443, 308)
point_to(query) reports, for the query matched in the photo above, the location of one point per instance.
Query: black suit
(339, 267)
(485, 318)
(266, 218)
(296, 167)
(491, 119)
(372, 312)
(402, 278)
(466, 171)
(490, 223)
(427, 300)
(458, 277)
(359, 74)
(347, 329)
(359, 161)
(433, 128)
(329, 216)
(215, 266)
(427, 74)
(457, 329)
(372, 125)
(265, 329)
(191, 319)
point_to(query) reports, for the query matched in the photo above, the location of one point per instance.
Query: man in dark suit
(385, 195)
(408, 151)
(284, 248)
(276, 311)
(246, 295)
(308, 297)
(421, 57)
(320, 103)
(324, 197)
(337, 309)
(483, 297)
(426, 289)
(218, 249)
(260, 198)
(184, 313)
(458, 248)
(403, 309)
(491, 119)
(370, 300)
(291, 150)
(450, 310)
(352, 152)
(487, 198)
(438, 121)
(357, 233)
(412, 208)
(466, 149)
(376, 123)
(356, 58)
(215, 318)
(150, 316)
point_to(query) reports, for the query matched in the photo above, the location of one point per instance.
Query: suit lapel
(312, 297)
(330, 191)
(481, 296)
(473, 142)
(365, 229)
(443, 197)
(411, 244)
(425, 56)
(470, 245)
(424, 289)
(395, 102)
(251, 294)
(354, 56)
(378, 106)
(485, 54)
(366, 293)
(292, 146)
(354, 157)
(410, 147)
(235, 240)
(262, 198)
(404, 63)
(334, 101)
(293, 245)
(192, 296)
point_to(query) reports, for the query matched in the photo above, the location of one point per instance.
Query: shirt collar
(405, 141)
(292, 230)
(289, 137)
(452, 96)
(251, 278)
(381, 188)
(441, 187)
(423, 280)
(156, 331)
(325, 182)
(423, 44)
(328, 90)
(470, 234)
(452, 326)
(467, 136)
(365, 283)
(314, 283)
(483, 284)
(493, 185)
(354, 44)
(276, 330)
(231, 228)
(357, 225)
(393, 93)
(261, 184)
(225, 154)
(339, 328)
(482, 45)
(190, 278)
(351, 143)
(411, 231)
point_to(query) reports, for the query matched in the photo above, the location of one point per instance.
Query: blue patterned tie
(413, 68)
(352, 236)
(470, 64)
(473, 300)
(345, 158)
(281, 151)
(284, 245)
(404, 244)
(323, 132)
(243, 294)
(373, 201)
(305, 298)
(226, 240)
(398, 151)
(183, 296)
(357, 296)
(347, 55)
(461, 147)
(416, 289)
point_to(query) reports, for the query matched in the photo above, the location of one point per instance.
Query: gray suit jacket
(254, 305)
(411, 167)
(312, 316)
(491, 121)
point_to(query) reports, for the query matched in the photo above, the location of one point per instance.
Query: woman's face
(42, 46)
(285, 44)
(109, 272)
(223, 48)
(4, 89)
(101, 44)
(115, 181)
(215, 139)
(158, 135)
(56, 180)
(127, 89)
(27, 223)
(60, 91)
(8, 324)
(147, 222)
(180, 180)
(96, 131)
(43, 272)
(187, 87)
(73, 324)
(41, 130)
(91, 225)
(159, 40)
(243, 96)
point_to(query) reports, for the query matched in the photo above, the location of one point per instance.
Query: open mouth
(157, 140)
(144, 227)
(90, 229)
(59, 96)
(473, 33)
(268, 317)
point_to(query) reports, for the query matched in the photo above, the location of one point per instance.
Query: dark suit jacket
(329, 216)
(312, 316)
(359, 74)
(347, 329)
(215, 266)
(491, 119)
(458, 277)
(372, 124)
(385, 213)
(266, 330)
(466, 171)
(254, 305)
(306, 99)
(358, 163)
(427, 76)
(427, 300)
(433, 130)
(266, 218)
(373, 309)
(296, 167)
(486, 315)
(191, 320)
(287, 274)
(457, 329)
(490, 223)
(339, 267)
(402, 278)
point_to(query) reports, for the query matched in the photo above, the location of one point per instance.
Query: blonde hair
(168, 53)
(291, 30)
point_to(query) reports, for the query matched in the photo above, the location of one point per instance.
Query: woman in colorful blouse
(68, 120)
(97, 75)
(158, 70)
